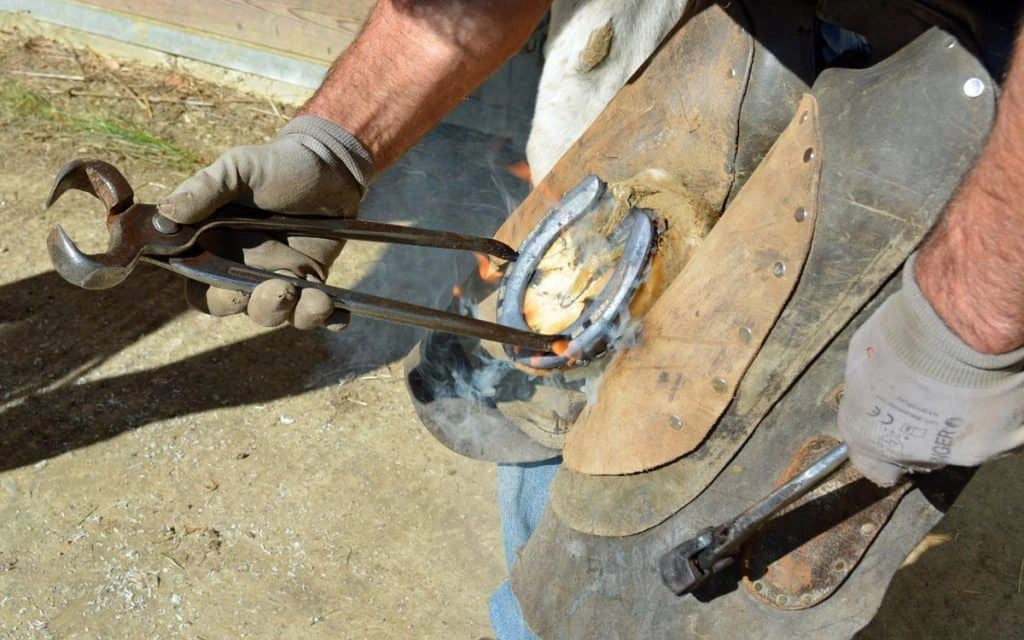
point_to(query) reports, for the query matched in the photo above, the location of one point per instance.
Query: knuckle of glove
(313, 309)
(881, 472)
(272, 302)
(276, 302)
(210, 188)
(225, 302)
(321, 251)
(214, 301)
(861, 437)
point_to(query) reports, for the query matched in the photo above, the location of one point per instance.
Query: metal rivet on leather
(974, 87)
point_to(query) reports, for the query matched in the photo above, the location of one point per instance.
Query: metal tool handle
(215, 271)
(234, 216)
(744, 525)
(688, 565)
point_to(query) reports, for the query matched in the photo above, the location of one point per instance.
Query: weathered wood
(316, 29)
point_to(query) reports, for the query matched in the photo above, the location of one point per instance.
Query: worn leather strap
(659, 399)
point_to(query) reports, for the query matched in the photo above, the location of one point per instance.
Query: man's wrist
(971, 268)
(956, 277)
(334, 145)
(411, 65)
(926, 343)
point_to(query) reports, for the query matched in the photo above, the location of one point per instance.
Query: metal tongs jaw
(139, 233)
(106, 270)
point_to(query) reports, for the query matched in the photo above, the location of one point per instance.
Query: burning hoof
(576, 275)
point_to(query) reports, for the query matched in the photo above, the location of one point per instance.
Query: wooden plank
(502, 106)
(166, 38)
(316, 29)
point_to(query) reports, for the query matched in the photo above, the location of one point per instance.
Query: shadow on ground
(53, 333)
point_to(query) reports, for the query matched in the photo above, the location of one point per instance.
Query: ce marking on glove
(883, 419)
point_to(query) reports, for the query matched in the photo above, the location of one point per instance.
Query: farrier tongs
(139, 233)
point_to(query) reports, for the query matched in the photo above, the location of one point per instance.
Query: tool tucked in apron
(787, 200)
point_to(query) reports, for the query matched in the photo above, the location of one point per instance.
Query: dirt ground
(164, 474)
(168, 475)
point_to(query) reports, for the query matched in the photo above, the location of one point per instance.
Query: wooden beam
(291, 41)
(175, 40)
(316, 29)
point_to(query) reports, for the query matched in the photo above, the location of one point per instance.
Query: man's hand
(412, 63)
(917, 397)
(313, 167)
(935, 376)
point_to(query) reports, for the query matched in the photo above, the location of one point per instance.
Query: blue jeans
(522, 498)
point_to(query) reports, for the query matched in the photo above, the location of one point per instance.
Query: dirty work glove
(917, 397)
(313, 167)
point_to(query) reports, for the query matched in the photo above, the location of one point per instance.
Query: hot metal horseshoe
(590, 334)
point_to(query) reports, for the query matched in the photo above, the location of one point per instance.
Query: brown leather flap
(660, 399)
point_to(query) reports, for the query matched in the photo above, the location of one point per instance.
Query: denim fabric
(522, 498)
(837, 42)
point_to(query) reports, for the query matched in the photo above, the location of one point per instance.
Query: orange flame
(520, 170)
(456, 291)
(564, 349)
(560, 347)
(488, 272)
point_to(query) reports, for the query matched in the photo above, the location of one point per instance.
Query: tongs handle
(234, 216)
(215, 271)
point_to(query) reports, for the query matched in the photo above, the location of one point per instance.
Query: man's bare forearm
(971, 268)
(414, 62)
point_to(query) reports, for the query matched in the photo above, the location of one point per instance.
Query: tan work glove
(313, 167)
(917, 397)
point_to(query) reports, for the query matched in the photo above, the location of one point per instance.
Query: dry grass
(119, 109)
(23, 107)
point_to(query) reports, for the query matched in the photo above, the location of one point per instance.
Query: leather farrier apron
(791, 190)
